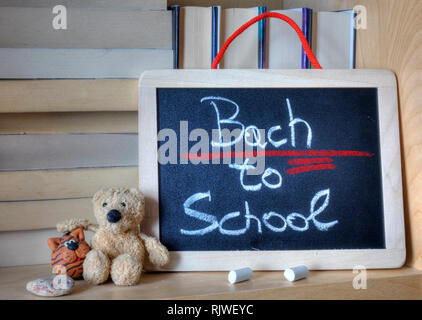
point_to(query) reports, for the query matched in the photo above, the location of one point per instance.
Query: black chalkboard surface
(321, 187)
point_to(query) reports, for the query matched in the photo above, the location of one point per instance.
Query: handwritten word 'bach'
(252, 130)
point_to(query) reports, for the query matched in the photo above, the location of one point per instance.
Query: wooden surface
(405, 283)
(393, 40)
(391, 257)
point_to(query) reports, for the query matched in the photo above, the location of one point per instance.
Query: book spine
(175, 34)
(309, 34)
(353, 37)
(305, 32)
(262, 32)
(61, 95)
(215, 31)
(214, 22)
(69, 122)
(53, 184)
(67, 151)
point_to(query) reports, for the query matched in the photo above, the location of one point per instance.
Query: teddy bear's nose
(113, 216)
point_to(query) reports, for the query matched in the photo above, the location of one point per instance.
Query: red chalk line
(277, 153)
(314, 167)
(305, 161)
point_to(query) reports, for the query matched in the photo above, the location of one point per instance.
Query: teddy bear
(118, 248)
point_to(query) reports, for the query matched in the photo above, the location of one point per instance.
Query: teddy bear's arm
(93, 227)
(157, 252)
(71, 224)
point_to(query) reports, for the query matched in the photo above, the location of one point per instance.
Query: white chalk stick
(296, 273)
(240, 275)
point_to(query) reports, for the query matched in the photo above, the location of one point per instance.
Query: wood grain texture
(22, 27)
(391, 257)
(68, 95)
(405, 283)
(69, 122)
(393, 40)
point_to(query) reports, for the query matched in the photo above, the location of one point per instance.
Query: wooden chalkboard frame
(391, 257)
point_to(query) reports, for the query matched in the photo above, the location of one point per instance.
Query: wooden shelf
(404, 283)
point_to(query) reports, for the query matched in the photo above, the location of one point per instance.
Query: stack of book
(68, 110)
(199, 33)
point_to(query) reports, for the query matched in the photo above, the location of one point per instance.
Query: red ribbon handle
(283, 17)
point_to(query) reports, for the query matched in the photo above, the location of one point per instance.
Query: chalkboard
(272, 168)
(349, 183)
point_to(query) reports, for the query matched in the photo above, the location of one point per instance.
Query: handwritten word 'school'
(271, 220)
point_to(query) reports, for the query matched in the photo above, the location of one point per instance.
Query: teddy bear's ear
(137, 193)
(97, 196)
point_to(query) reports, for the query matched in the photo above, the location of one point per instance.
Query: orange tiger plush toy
(68, 253)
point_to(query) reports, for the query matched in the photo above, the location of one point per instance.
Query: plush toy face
(68, 253)
(118, 210)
